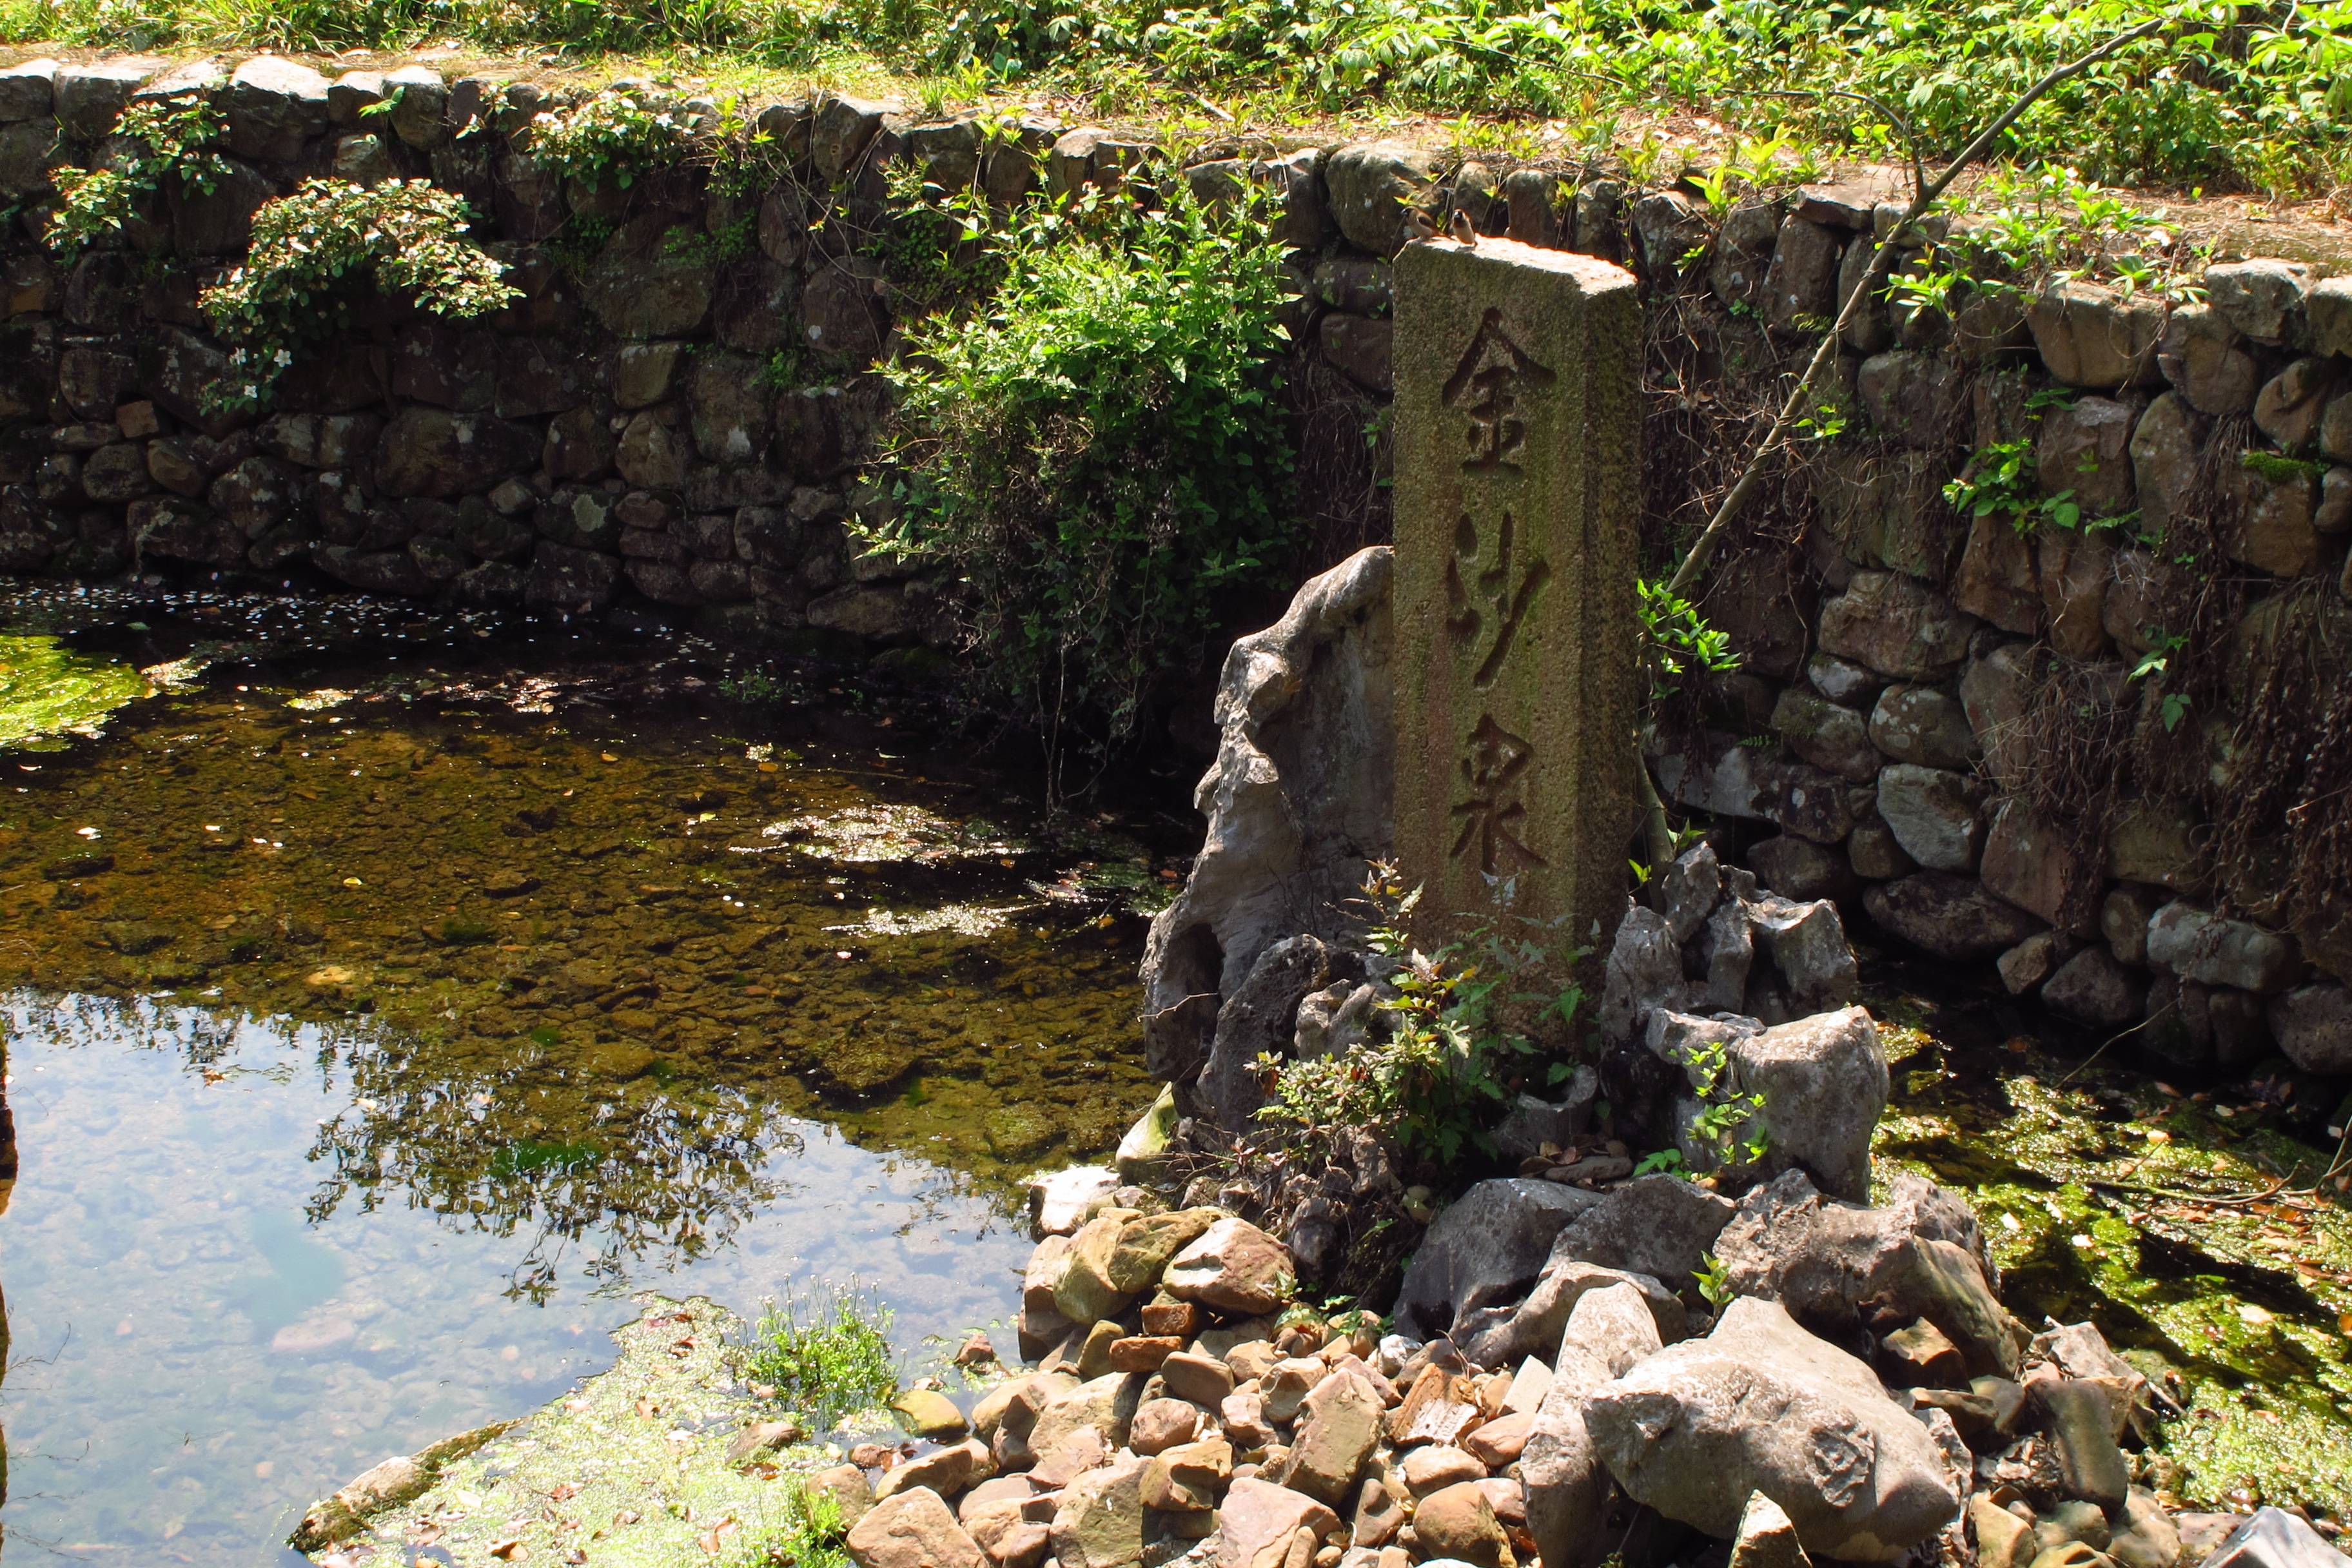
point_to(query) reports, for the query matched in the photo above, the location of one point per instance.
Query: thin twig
(1751, 478)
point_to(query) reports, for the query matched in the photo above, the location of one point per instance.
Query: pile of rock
(1557, 1387)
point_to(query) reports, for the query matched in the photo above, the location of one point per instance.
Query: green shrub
(152, 141)
(1100, 458)
(826, 1361)
(309, 250)
(609, 139)
(810, 1535)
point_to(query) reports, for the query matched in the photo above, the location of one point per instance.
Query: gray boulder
(1644, 972)
(1371, 186)
(1807, 945)
(1507, 1335)
(1761, 1405)
(1298, 803)
(1485, 1249)
(1659, 1226)
(1948, 915)
(1260, 1018)
(2275, 1538)
(1568, 1486)
(2215, 951)
(1823, 1258)
(2314, 1026)
(1823, 1082)
(1535, 1124)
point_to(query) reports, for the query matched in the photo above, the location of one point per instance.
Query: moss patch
(49, 694)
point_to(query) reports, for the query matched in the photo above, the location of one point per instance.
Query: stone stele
(1517, 444)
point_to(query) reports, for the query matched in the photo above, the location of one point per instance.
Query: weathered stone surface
(1826, 735)
(1917, 398)
(1261, 1017)
(272, 106)
(2275, 1538)
(1259, 1518)
(1886, 507)
(639, 286)
(947, 1471)
(1801, 286)
(28, 89)
(1370, 184)
(2313, 1025)
(1496, 1336)
(1362, 348)
(2084, 448)
(1806, 943)
(1099, 1523)
(2214, 950)
(2026, 861)
(1339, 1428)
(1061, 1200)
(2076, 570)
(1297, 803)
(91, 93)
(1800, 868)
(1234, 1266)
(1516, 426)
(433, 452)
(2166, 447)
(1761, 1405)
(2159, 842)
(1659, 1226)
(913, 1530)
(1824, 1084)
(2082, 1430)
(2205, 359)
(2093, 987)
(2289, 407)
(1719, 773)
(1458, 1523)
(1485, 1249)
(1897, 625)
(1948, 915)
(1933, 813)
(1920, 724)
(2089, 335)
(2262, 298)
(2272, 527)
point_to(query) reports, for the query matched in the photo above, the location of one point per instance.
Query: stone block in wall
(177, 368)
(435, 452)
(586, 520)
(2261, 299)
(1720, 775)
(1934, 814)
(272, 106)
(948, 154)
(255, 495)
(562, 578)
(447, 365)
(1897, 625)
(1843, 682)
(1871, 850)
(1476, 196)
(1092, 156)
(1922, 724)
(654, 450)
(2028, 862)
(2205, 359)
(1742, 253)
(876, 612)
(2024, 967)
(1872, 328)
(2093, 336)
(91, 93)
(1600, 219)
(1368, 185)
(1834, 739)
(1887, 508)
(1917, 398)
(2158, 842)
(1013, 166)
(2200, 945)
(1360, 285)
(1532, 197)
(492, 535)
(1996, 581)
(420, 106)
(116, 473)
(840, 132)
(440, 561)
(177, 530)
(27, 90)
(638, 286)
(842, 313)
(2091, 988)
(716, 489)
(663, 582)
(1362, 349)
(373, 571)
(2333, 514)
(642, 374)
(491, 582)
(537, 375)
(1763, 604)
(1292, 182)
(2327, 308)
(1801, 869)
(217, 221)
(2313, 1025)
(2085, 449)
(1671, 230)
(2124, 915)
(1947, 915)
(92, 377)
(2271, 526)
(579, 446)
(2289, 407)
(1801, 286)
(527, 197)
(758, 307)
(2140, 586)
(2076, 570)
(2166, 447)
(350, 95)
(170, 465)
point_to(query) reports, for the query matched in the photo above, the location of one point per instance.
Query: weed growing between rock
(812, 1535)
(825, 1359)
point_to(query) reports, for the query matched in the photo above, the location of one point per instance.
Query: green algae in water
(48, 693)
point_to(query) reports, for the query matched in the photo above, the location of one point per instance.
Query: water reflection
(203, 1345)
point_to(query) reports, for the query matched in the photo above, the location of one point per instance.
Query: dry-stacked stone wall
(618, 441)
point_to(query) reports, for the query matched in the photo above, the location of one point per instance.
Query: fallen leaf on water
(648, 1409)
(564, 1493)
(511, 1550)
(627, 1516)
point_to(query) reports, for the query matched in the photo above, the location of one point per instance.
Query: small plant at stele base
(1448, 1065)
(310, 248)
(826, 1362)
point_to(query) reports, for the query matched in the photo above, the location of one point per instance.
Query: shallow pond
(377, 1021)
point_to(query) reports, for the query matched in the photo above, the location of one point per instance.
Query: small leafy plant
(812, 1535)
(1677, 639)
(826, 1361)
(151, 141)
(610, 138)
(2172, 707)
(310, 248)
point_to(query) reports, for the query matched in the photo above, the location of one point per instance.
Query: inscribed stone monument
(1518, 433)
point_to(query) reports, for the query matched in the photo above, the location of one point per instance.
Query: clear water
(378, 1022)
